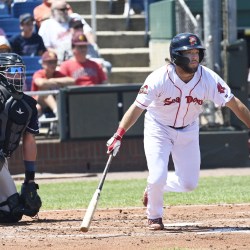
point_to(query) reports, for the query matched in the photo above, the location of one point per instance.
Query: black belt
(178, 127)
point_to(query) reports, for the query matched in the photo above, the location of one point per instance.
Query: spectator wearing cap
(55, 30)
(77, 23)
(4, 45)
(49, 78)
(43, 11)
(27, 43)
(85, 72)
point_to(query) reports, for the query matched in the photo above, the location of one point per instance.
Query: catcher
(18, 120)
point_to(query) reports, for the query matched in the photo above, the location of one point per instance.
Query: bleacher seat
(4, 10)
(19, 8)
(28, 82)
(33, 63)
(10, 26)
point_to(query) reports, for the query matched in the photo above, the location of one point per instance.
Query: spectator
(27, 43)
(77, 23)
(4, 45)
(84, 71)
(43, 12)
(49, 78)
(55, 31)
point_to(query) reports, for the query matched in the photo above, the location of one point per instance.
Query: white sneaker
(128, 11)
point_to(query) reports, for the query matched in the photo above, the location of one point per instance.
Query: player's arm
(128, 120)
(29, 147)
(130, 117)
(43, 83)
(240, 110)
(29, 196)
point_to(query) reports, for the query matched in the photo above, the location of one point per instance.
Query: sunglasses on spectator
(64, 9)
(50, 62)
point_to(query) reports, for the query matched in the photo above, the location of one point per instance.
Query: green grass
(128, 193)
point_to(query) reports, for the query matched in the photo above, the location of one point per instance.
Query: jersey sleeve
(147, 92)
(219, 92)
(33, 126)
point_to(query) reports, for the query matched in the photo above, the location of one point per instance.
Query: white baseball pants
(159, 141)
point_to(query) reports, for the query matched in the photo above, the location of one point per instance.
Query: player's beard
(188, 69)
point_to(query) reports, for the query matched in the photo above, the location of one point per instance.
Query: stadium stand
(10, 26)
(19, 8)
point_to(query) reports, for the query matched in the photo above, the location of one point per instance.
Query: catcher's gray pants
(7, 185)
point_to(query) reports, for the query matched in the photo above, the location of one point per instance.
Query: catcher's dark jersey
(18, 114)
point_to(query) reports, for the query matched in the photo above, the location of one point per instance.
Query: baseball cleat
(145, 198)
(155, 224)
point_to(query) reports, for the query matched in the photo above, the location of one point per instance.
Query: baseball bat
(93, 203)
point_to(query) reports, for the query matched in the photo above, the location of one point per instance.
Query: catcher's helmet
(182, 42)
(12, 72)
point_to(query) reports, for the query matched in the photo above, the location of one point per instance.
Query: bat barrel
(93, 203)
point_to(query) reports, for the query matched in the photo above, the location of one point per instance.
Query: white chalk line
(10, 234)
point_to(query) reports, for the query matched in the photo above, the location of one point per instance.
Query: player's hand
(114, 142)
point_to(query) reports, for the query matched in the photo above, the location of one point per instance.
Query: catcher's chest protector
(15, 115)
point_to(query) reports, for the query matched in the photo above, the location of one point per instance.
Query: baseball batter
(173, 96)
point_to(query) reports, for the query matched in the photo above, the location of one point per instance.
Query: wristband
(120, 132)
(29, 166)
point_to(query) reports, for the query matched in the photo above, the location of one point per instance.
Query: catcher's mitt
(30, 199)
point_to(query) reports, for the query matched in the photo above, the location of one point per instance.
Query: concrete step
(84, 6)
(137, 57)
(129, 75)
(102, 6)
(121, 39)
(117, 22)
(120, 42)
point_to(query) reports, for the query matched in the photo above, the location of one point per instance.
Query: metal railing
(185, 20)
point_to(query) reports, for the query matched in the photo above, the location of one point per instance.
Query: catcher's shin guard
(15, 214)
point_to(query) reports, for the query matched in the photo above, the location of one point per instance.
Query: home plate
(227, 230)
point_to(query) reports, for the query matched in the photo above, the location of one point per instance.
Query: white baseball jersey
(172, 102)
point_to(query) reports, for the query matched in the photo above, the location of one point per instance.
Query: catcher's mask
(12, 72)
(183, 42)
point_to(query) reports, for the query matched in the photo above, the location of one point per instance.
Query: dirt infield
(186, 227)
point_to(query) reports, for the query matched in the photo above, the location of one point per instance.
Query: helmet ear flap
(178, 59)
